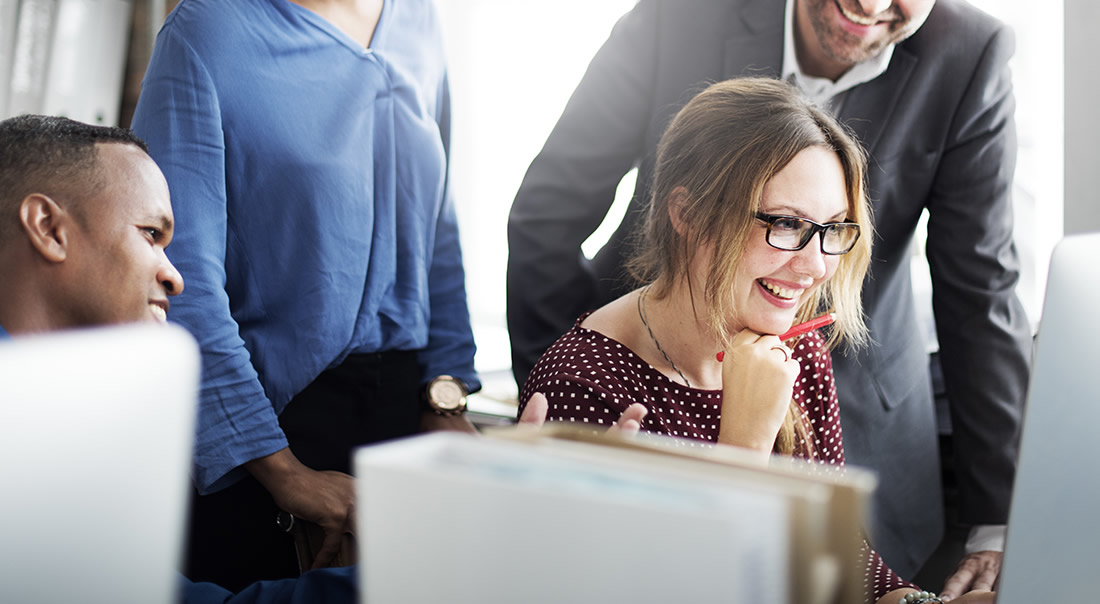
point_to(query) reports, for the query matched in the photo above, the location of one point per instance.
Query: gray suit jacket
(938, 126)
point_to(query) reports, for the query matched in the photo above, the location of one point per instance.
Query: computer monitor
(1052, 527)
(96, 431)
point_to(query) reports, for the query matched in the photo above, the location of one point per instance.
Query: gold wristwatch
(446, 395)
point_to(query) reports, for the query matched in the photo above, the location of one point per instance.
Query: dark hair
(54, 156)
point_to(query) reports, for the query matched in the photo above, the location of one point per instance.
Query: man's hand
(977, 571)
(974, 597)
(628, 423)
(326, 499)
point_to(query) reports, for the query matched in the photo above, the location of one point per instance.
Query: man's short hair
(54, 156)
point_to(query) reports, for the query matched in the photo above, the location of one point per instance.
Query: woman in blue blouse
(306, 148)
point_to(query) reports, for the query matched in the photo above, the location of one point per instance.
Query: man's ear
(677, 201)
(47, 226)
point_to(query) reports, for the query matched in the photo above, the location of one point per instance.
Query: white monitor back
(1052, 527)
(96, 430)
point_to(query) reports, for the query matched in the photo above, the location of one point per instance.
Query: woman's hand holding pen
(758, 377)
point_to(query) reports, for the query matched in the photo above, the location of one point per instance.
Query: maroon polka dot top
(590, 378)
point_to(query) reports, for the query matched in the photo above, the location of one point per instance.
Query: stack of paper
(561, 516)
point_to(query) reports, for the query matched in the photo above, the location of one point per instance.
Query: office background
(514, 64)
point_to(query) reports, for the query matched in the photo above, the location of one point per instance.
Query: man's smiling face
(123, 270)
(842, 33)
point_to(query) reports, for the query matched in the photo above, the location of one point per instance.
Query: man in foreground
(84, 220)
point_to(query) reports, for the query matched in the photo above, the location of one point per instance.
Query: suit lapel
(755, 44)
(868, 107)
(755, 47)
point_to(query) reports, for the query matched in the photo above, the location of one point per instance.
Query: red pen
(801, 328)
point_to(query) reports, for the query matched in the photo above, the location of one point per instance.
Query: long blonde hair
(721, 149)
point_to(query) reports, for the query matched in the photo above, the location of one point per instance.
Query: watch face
(447, 394)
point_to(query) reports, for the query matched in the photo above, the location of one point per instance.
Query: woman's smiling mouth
(780, 292)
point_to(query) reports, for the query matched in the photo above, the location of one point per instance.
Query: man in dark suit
(926, 88)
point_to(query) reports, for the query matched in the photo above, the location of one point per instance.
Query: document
(562, 516)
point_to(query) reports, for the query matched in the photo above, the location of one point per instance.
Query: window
(514, 64)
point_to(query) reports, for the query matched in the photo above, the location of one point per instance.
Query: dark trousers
(233, 539)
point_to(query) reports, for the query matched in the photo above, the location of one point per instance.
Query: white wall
(1082, 85)
(514, 64)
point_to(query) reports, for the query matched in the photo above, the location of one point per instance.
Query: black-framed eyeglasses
(791, 233)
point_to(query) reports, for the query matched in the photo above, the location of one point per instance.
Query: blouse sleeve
(878, 578)
(815, 393)
(577, 399)
(450, 348)
(179, 116)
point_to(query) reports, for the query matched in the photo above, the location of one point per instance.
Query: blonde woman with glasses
(757, 221)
